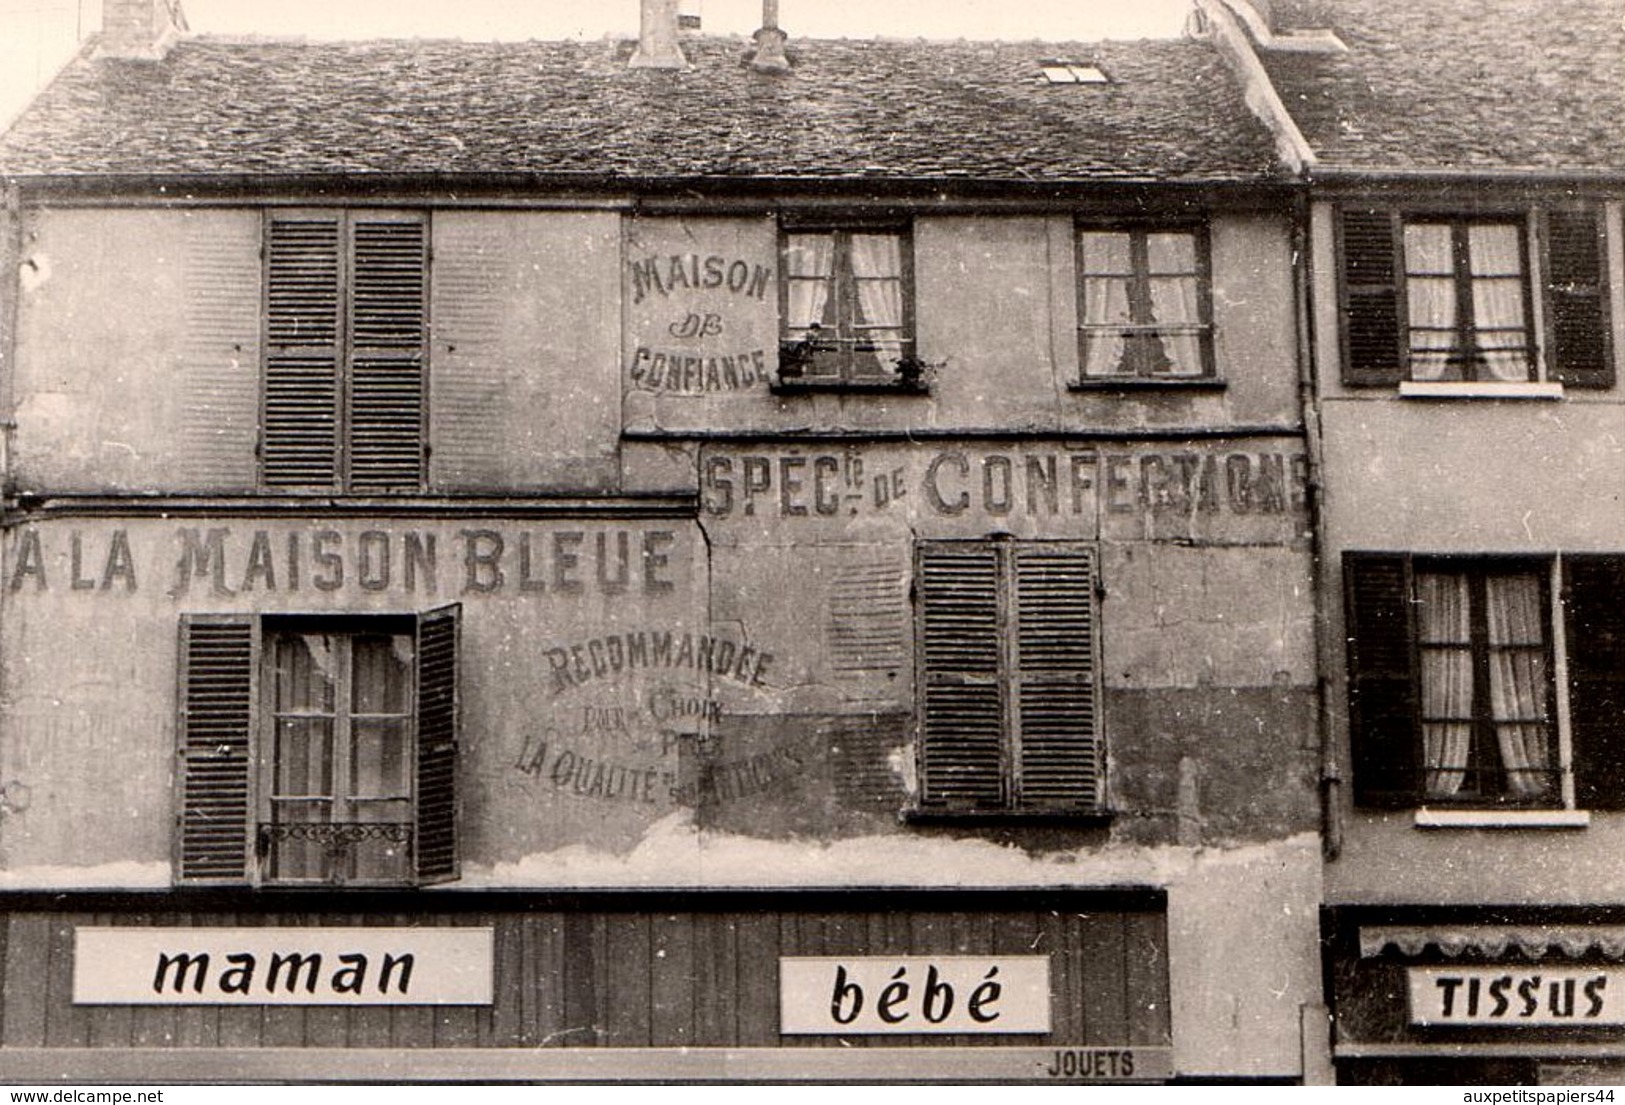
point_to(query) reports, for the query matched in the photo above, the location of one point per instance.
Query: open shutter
(386, 384)
(1373, 350)
(1595, 594)
(1576, 299)
(1058, 758)
(962, 724)
(215, 749)
(1382, 681)
(435, 838)
(299, 425)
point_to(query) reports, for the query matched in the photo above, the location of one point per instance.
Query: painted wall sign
(699, 349)
(858, 995)
(230, 560)
(1517, 997)
(286, 966)
(1032, 482)
(701, 298)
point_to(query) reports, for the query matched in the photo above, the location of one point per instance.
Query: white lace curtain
(1517, 681)
(1499, 334)
(1167, 283)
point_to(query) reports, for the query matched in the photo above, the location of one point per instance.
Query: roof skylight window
(1056, 71)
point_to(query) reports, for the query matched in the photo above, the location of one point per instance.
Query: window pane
(304, 757)
(1445, 749)
(809, 255)
(381, 675)
(1516, 614)
(877, 255)
(1428, 250)
(298, 841)
(1433, 338)
(1105, 301)
(1493, 250)
(1442, 613)
(378, 760)
(1174, 301)
(1171, 253)
(1105, 253)
(305, 673)
(1184, 354)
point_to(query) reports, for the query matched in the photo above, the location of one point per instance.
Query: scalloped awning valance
(1530, 941)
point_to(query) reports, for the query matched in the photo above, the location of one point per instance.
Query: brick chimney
(140, 28)
(657, 37)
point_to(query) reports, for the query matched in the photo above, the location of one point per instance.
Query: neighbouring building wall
(1540, 478)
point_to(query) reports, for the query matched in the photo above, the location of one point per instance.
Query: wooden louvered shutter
(1373, 341)
(1058, 754)
(387, 333)
(215, 749)
(303, 342)
(962, 748)
(1595, 600)
(1576, 300)
(435, 838)
(1383, 726)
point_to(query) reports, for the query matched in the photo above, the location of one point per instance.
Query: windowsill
(798, 385)
(1479, 389)
(1436, 818)
(916, 815)
(1144, 383)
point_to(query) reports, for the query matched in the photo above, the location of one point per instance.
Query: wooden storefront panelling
(697, 975)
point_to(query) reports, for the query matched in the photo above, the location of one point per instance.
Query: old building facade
(671, 559)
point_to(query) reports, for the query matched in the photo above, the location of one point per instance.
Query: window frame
(341, 796)
(1030, 760)
(288, 417)
(1139, 230)
(1566, 295)
(797, 352)
(1385, 691)
(226, 747)
(1468, 327)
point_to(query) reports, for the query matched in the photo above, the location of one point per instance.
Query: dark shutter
(1058, 763)
(215, 749)
(1595, 601)
(386, 385)
(1373, 349)
(300, 421)
(435, 847)
(962, 724)
(1382, 681)
(1576, 300)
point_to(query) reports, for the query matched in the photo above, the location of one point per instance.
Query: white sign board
(884, 995)
(1532, 995)
(282, 966)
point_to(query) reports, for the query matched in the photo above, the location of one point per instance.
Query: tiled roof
(1453, 85)
(852, 109)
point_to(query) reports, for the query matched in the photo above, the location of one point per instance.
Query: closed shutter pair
(345, 396)
(1008, 678)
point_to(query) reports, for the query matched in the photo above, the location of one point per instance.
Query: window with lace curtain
(1516, 296)
(1144, 305)
(848, 310)
(1454, 680)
